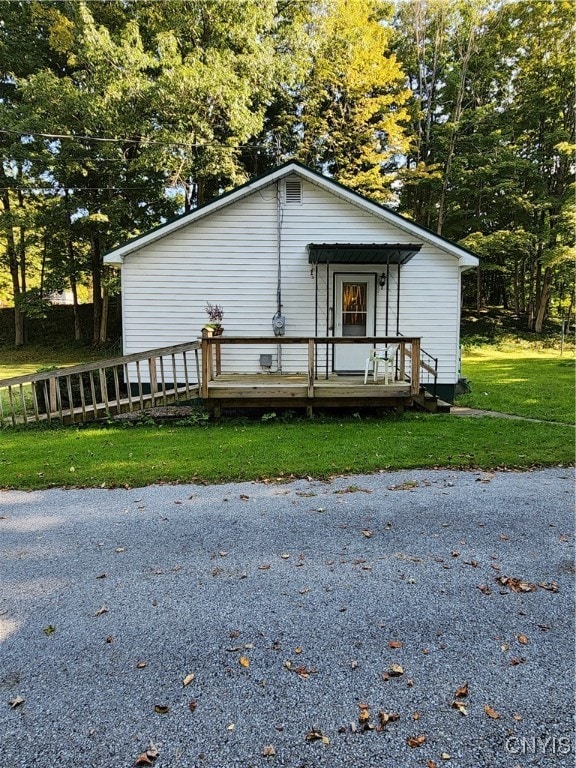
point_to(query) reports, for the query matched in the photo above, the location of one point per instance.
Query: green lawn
(521, 380)
(19, 362)
(137, 456)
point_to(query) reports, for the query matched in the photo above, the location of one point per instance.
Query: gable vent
(293, 191)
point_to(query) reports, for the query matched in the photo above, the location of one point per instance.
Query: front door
(354, 314)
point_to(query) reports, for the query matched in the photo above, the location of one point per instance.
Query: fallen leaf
(522, 639)
(431, 764)
(354, 664)
(244, 661)
(265, 567)
(517, 717)
(110, 639)
(368, 533)
(15, 702)
(491, 712)
(298, 650)
(387, 717)
(416, 741)
(235, 633)
(460, 706)
(120, 549)
(141, 664)
(516, 585)
(268, 751)
(101, 576)
(244, 497)
(143, 759)
(315, 735)
(407, 485)
(445, 756)
(415, 716)
(395, 644)
(395, 670)
(485, 589)
(364, 716)
(515, 662)
(230, 727)
(551, 586)
(462, 692)
(161, 709)
(188, 679)
(49, 630)
(101, 610)
(192, 705)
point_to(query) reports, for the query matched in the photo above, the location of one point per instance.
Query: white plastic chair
(382, 357)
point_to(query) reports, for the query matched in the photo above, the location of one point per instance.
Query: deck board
(291, 388)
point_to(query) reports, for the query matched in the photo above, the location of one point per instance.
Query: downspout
(398, 300)
(279, 217)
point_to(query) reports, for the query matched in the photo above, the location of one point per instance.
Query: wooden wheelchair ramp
(102, 389)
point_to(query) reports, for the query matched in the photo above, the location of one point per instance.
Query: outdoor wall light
(382, 281)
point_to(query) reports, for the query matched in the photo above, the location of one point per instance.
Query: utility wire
(144, 141)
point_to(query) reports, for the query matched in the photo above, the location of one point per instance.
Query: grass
(513, 378)
(28, 359)
(522, 380)
(135, 456)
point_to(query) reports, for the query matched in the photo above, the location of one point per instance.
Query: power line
(143, 141)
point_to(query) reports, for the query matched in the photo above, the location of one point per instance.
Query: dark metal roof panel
(368, 253)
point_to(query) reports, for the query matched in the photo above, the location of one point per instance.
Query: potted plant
(215, 314)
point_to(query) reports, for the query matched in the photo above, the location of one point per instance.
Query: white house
(300, 251)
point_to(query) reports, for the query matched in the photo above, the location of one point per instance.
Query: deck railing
(408, 362)
(83, 393)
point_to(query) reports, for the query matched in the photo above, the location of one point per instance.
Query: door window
(354, 309)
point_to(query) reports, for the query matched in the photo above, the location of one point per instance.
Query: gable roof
(465, 257)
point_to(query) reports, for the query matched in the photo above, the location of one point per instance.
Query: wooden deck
(174, 375)
(293, 390)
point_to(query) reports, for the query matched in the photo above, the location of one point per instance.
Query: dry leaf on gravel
(161, 709)
(395, 670)
(522, 639)
(460, 706)
(268, 751)
(416, 741)
(188, 679)
(387, 717)
(491, 712)
(395, 644)
(462, 692)
(101, 610)
(244, 661)
(141, 664)
(16, 702)
(316, 735)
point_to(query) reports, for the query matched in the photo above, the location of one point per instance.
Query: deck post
(311, 353)
(205, 364)
(402, 371)
(415, 363)
(153, 378)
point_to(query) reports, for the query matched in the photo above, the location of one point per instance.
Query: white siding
(230, 258)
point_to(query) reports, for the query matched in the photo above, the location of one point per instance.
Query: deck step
(431, 403)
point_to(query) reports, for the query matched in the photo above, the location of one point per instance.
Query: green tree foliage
(116, 115)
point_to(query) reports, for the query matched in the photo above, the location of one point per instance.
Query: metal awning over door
(364, 253)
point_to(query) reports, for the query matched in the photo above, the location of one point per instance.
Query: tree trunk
(96, 289)
(74, 287)
(19, 334)
(104, 320)
(543, 300)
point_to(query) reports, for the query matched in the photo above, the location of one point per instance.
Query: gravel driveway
(303, 618)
